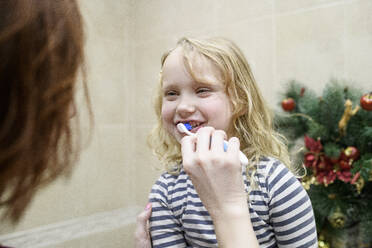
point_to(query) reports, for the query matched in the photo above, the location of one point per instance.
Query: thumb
(144, 216)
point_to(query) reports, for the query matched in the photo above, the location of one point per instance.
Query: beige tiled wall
(308, 40)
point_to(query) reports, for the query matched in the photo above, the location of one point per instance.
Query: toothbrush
(185, 128)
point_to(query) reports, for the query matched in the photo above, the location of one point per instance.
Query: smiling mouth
(192, 124)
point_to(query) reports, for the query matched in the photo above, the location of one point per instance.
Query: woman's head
(251, 120)
(41, 51)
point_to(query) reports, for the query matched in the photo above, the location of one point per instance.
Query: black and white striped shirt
(280, 210)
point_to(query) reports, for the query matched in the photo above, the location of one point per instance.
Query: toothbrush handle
(243, 159)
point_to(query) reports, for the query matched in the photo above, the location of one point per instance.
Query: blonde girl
(208, 84)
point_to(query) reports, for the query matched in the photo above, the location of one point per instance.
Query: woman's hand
(217, 178)
(142, 234)
(216, 174)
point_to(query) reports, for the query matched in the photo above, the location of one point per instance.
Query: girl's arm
(165, 228)
(217, 177)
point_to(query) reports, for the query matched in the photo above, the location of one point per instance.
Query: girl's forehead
(191, 64)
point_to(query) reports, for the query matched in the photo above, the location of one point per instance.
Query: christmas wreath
(334, 131)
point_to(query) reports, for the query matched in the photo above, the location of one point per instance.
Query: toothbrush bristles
(188, 126)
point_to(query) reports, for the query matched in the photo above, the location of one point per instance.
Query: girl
(208, 84)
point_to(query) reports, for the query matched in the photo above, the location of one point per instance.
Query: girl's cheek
(166, 113)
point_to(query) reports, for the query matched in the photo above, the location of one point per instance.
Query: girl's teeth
(194, 124)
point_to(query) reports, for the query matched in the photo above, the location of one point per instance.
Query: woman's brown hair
(41, 54)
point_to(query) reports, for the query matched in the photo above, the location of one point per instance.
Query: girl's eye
(171, 94)
(203, 91)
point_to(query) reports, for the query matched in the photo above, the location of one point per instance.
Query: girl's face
(186, 100)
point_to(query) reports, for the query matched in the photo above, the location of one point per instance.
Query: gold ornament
(322, 243)
(359, 184)
(337, 219)
(332, 196)
(348, 113)
(308, 181)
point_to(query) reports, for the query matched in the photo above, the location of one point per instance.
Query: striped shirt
(280, 211)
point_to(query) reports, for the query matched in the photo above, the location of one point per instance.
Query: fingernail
(148, 206)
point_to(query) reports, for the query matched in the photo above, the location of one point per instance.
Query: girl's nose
(186, 106)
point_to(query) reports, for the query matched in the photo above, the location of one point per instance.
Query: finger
(204, 139)
(218, 137)
(234, 146)
(188, 144)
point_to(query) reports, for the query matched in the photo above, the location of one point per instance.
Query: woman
(41, 53)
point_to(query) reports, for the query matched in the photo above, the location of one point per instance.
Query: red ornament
(310, 160)
(366, 101)
(313, 145)
(351, 152)
(344, 165)
(326, 177)
(288, 104)
(344, 176)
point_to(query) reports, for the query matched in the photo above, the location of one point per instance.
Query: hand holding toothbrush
(216, 174)
(185, 128)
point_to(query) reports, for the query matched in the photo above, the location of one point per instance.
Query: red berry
(366, 101)
(288, 104)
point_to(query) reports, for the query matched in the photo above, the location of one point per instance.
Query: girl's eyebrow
(208, 83)
(169, 87)
(205, 83)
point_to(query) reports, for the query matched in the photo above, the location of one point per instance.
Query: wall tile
(147, 69)
(232, 11)
(310, 46)
(108, 27)
(255, 39)
(162, 18)
(358, 45)
(148, 167)
(101, 181)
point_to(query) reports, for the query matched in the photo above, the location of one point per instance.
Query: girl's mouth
(193, 126)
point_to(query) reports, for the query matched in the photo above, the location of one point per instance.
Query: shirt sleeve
(290, 209)
(165, 227)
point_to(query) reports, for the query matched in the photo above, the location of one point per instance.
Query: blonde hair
(252, 120)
